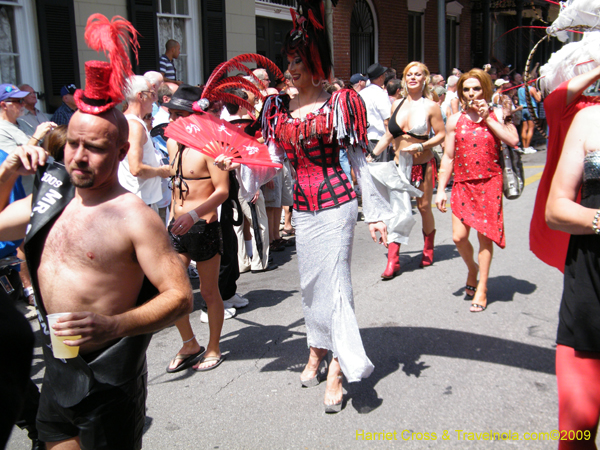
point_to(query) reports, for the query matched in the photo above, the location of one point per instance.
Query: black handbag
(512, 173)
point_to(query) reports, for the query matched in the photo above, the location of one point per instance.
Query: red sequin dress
(477, 192)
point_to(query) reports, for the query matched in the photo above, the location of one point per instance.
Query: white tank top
(148, 189)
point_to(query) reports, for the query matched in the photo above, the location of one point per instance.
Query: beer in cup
(59, 349)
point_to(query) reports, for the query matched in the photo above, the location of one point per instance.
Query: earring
(313, 82)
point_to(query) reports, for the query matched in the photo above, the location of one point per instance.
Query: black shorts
(201, 243)
(110, 417)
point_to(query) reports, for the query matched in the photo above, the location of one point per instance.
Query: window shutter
(58, 45)
(213, 34)
(142, 15)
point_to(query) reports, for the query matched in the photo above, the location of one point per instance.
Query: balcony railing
(289, 3)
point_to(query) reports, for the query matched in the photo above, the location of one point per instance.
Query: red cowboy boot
(428, 249)
(393, 265)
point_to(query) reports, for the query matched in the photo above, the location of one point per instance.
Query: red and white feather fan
(214, 137)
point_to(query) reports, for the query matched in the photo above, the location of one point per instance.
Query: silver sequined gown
(324, 247)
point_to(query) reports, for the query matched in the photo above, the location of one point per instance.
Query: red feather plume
(228, 97)
(113, 38)
(314, 21)
(236, 83)
(237, 62)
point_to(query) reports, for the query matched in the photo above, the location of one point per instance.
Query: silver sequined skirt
(324, 248)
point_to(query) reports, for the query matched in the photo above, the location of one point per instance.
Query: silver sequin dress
(324, 236)
(324, 247)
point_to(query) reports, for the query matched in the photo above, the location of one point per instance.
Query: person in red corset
(473, 149)
(311, 128)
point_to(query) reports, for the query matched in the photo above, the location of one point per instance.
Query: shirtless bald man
(90, 252)
(98, 253)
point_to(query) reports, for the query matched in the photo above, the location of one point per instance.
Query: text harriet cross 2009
(465, 435)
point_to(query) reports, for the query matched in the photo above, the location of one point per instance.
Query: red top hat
(105, 81)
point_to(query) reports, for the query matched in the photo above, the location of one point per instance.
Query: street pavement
(438, 367)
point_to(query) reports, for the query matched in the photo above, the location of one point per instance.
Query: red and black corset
(320, 181)
(312, 145)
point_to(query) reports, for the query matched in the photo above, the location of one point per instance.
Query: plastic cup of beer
(59, 349)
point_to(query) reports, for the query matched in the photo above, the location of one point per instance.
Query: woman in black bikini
(413, 118)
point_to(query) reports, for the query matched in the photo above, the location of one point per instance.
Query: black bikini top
(396, 131)
(178, 180)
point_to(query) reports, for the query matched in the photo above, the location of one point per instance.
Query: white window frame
(454, 9)
(375, 30)
(419, 6)
(193, 44)
(27, 38)
(273, 11)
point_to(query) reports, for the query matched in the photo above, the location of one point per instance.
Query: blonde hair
(484, 80)
(425, 70)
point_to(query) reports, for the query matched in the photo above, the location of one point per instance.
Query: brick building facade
(391, 19)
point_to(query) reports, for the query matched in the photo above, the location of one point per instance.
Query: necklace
(312, 105)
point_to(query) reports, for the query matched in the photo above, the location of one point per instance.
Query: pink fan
(214, 137)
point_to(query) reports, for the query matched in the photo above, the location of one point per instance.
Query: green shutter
(142, 15)
(58, 45)
(213, 34)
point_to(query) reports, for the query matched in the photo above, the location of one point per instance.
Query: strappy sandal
(470, 288)
(288, 232)
(476, 307)
(336, 407)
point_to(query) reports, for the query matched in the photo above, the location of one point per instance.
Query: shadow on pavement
(405, 348)
(503, 288)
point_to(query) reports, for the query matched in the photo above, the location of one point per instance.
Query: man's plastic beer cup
(59, 349)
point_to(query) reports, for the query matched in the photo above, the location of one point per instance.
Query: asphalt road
(438, 367)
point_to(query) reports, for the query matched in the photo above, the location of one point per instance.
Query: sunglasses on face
(20, 101)
(152, 94)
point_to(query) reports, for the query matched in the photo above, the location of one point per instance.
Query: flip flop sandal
(219, 360)
(187, 360)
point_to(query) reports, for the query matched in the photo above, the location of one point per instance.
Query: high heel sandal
(336, 407)
(316, 380)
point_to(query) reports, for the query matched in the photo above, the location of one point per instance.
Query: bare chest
(191, 164)
(81, 239)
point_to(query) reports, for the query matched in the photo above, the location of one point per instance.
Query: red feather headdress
(218, 85)
(309, 38)
(105, 80)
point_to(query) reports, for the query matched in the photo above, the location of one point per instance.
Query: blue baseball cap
(357, 77)
(69, 89)
(11, 91)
